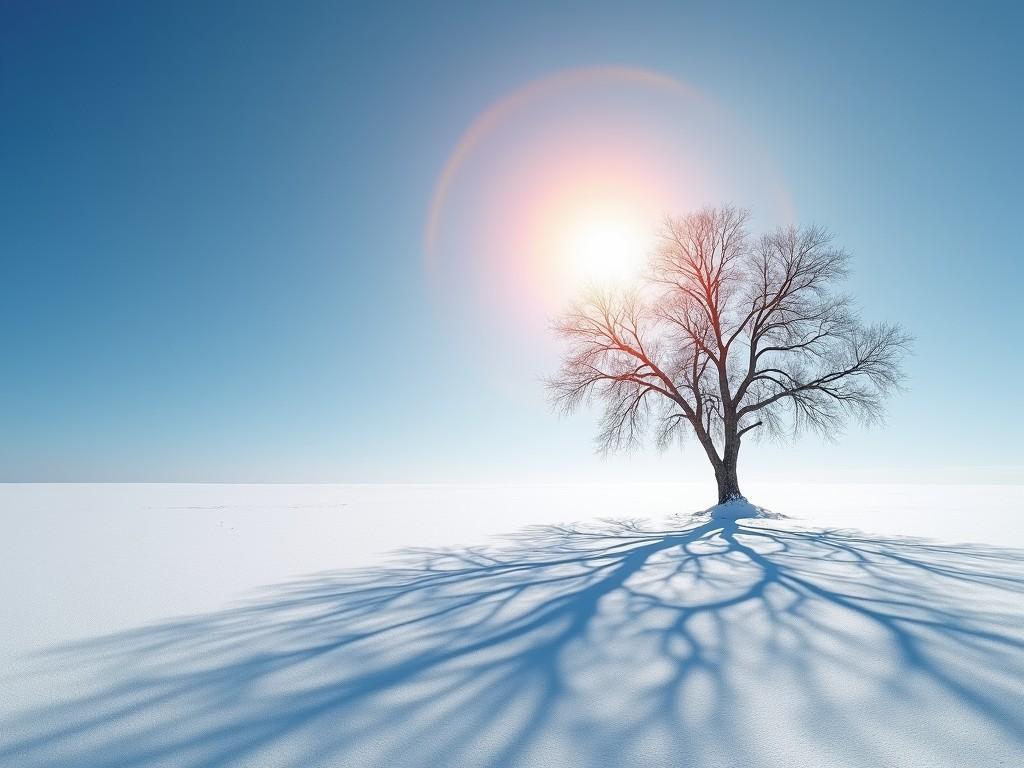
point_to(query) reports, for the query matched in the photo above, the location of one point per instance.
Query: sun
(590, 233)
(604, 245)
(564, 184)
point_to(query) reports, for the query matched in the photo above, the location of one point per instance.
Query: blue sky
(212, 221)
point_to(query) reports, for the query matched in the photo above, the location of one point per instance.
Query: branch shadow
(704, 642)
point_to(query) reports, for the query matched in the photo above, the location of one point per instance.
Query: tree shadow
(711, 642)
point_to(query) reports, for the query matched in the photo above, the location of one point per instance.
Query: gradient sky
(212, 226)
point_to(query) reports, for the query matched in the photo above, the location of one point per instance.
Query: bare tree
(728, 334)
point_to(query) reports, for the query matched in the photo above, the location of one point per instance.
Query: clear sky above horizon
(309, 241)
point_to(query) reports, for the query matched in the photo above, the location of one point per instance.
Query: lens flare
(493, 116)
(562, 184)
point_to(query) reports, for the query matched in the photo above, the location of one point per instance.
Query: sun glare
(561, 186)
(605, 247)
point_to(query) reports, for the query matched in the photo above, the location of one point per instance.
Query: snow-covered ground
(275, 625)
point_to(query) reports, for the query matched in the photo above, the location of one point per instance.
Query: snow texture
(421, 635)
(739, 509)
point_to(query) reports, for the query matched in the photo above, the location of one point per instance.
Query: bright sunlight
(605, 246)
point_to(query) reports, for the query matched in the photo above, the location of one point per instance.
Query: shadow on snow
(723, 641)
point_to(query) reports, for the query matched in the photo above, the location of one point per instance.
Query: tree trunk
(725, 474)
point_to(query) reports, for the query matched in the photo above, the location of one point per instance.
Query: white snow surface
(318, 625)
(739, 509)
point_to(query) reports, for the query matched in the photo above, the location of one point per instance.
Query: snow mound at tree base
(737, 509)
